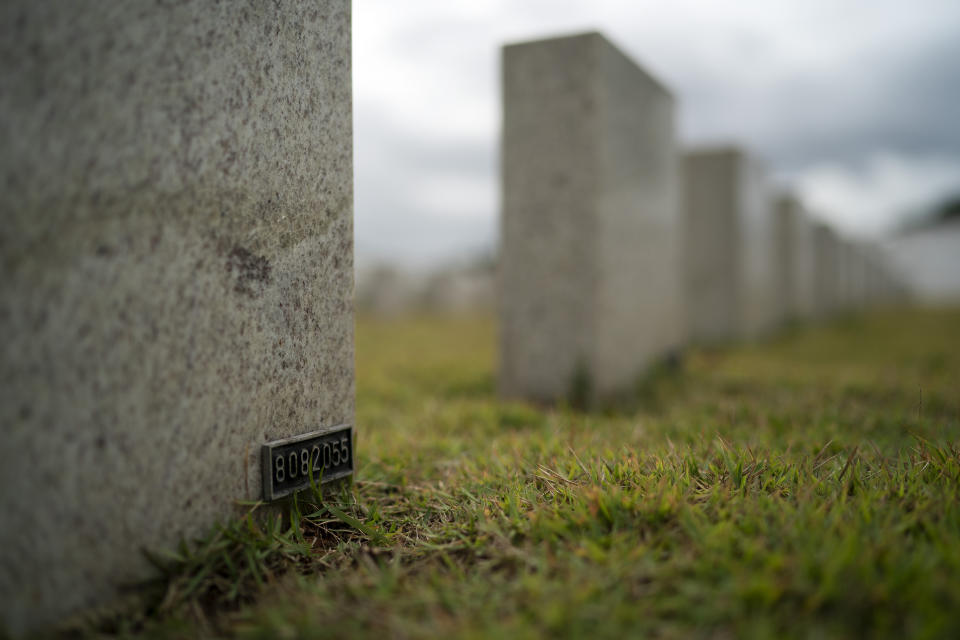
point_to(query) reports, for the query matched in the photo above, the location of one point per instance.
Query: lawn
(804, 487)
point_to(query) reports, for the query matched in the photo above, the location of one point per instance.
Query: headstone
(176, 284)
(730, 268)
(851, 276)
(863, 274)
(871, 275)
(844, 274)
(794, 258)
(589, 282)
(826, 269)
(858, 275)
(890, 285)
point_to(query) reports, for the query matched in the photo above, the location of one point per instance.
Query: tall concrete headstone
(826, 270)
(589, 282)
(176, 276)
(846, 276)
(871, 275)
(730, 268)
(857, 275)
(794, 259)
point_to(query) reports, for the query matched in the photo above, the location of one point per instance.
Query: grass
(805, 487)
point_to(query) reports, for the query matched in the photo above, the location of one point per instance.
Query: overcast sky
(856, 104)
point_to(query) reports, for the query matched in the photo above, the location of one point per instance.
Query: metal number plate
(288, 464)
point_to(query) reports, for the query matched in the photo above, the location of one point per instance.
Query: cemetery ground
(808, 486)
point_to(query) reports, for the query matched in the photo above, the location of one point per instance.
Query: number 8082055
(321, 456)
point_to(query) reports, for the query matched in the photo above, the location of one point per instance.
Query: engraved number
(324, 455)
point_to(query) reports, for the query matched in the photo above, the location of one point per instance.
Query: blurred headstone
(794, 258)
(386, 290)
(730, 268)
(177, 272)
(857, 275)
(843, 274)
(826, 249)
(589, 283)
(851, 275)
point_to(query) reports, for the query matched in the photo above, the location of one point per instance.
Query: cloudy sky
(854, 103)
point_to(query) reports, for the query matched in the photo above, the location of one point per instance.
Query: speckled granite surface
(176, 279)
(590, 261)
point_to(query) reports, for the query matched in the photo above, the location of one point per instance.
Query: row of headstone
(176, 280)
(848, 275)
(619, 248)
